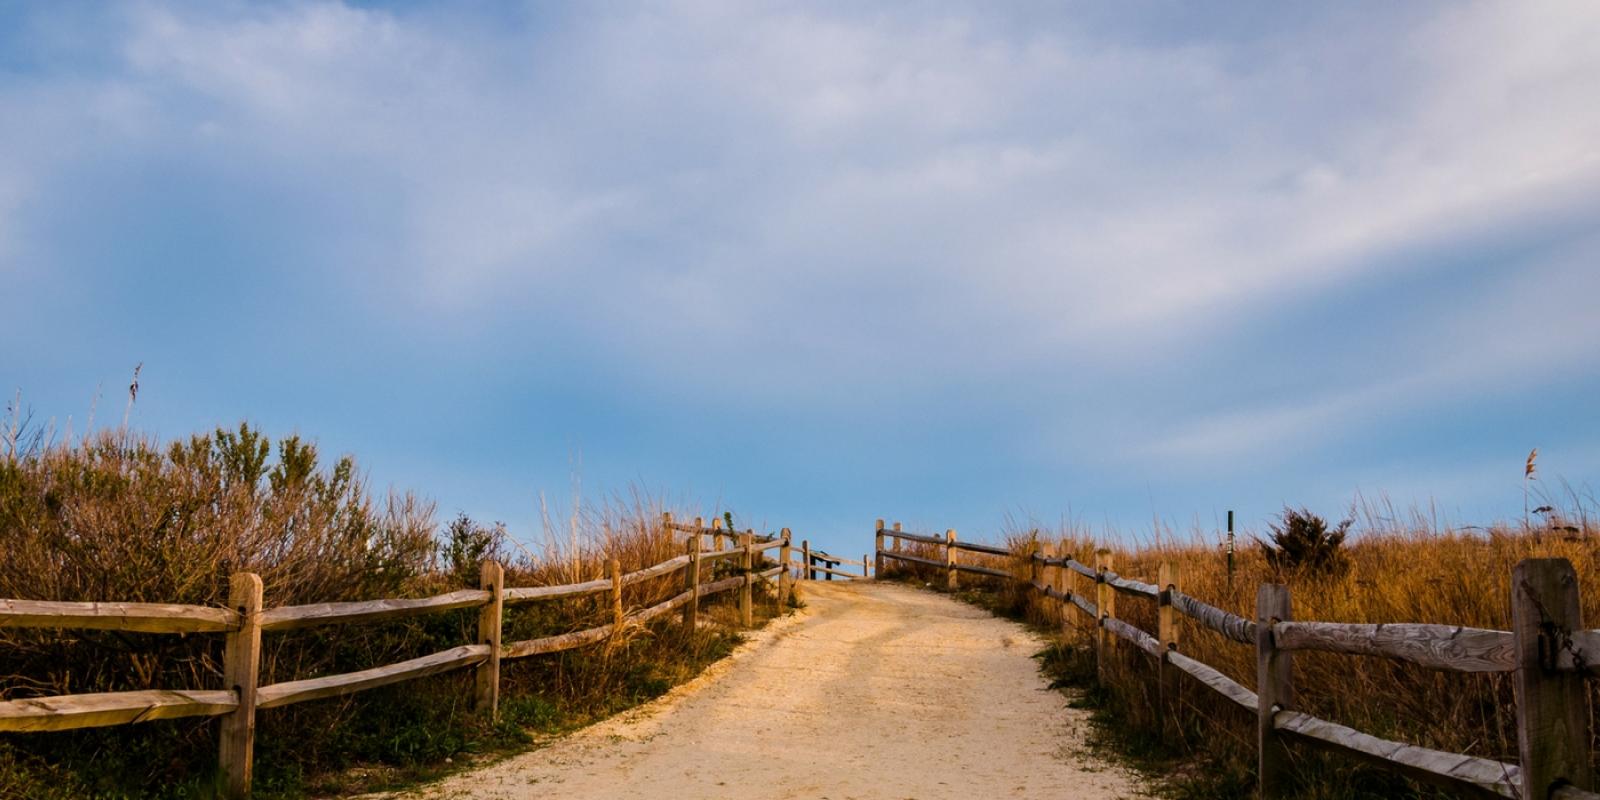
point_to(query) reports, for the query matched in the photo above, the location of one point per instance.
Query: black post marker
(1230, 548)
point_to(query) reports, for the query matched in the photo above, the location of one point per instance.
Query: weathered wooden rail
(1547, 651)
(245, 620)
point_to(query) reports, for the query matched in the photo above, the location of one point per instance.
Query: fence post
(486, 698)
(1046, 579)
(785, 580)
(716, 533)
(950, 559)
(666, 523)
(1035, 572)
(691, 582)
(1105, 602)
(865, 573)
(1058, 579)
(805, 556)
(1068, 614)
(618, 614)
(241, 665)
(1167, 632)
(1274, 690)
(1552, 703)
(877, 549)
(747, 563)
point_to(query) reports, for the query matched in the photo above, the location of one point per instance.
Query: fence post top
(1557, 565)
(246, 583)
(1272, 603)
(880, 524)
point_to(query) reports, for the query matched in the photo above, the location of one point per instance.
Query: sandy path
(873, 691)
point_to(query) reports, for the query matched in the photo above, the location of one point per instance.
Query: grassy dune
(1399, 570)
(123, 517)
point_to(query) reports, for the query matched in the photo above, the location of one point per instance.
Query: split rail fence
(1547, 651)
(245, 620)
(812, 562)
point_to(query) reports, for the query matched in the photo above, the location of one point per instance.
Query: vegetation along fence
(1547, 651)
(245, 620)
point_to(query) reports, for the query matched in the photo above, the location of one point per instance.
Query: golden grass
(121, 517)
(1411, 570)
(1397, 574)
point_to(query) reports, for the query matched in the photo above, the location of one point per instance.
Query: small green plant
(1302, 542)
(467, 544)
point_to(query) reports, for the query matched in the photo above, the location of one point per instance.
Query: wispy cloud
(823, 197)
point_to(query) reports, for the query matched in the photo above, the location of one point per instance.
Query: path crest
(873, 691)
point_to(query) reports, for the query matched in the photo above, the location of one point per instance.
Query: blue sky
(825, 262)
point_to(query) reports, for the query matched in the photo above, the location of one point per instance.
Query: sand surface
(872, 691)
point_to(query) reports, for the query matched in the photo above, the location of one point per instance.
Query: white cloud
(878, 193)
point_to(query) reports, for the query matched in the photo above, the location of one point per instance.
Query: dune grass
(118, 516)
(1400, 568)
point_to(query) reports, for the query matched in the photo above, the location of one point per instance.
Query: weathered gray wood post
(1274, 690)
(1552, 703)
(877, 551)
(747, 562)
(1036, 573)
(950, 559)
(1167, 633)
(785, 579)
(486, 678)
(241, 666)
(865, 571)
(1058, 579)
(1105, 602)
(716, 533)
(691, 583)
(1068, 614)
(805, 556)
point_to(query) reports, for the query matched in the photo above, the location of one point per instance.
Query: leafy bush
(468, 544)
(120, 517)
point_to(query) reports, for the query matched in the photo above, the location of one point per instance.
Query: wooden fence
(812, 562)
(1546, 650)
(245, 620)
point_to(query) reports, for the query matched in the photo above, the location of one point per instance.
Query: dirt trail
(872, 691)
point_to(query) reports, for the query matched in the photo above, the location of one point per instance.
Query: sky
(1117, 264)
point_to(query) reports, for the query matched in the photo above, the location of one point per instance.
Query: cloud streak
(819, 198)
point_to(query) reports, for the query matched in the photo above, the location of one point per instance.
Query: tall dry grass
(118, 516)
(1402, 568)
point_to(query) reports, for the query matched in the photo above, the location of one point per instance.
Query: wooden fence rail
(1547, 650)
(245, 620)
